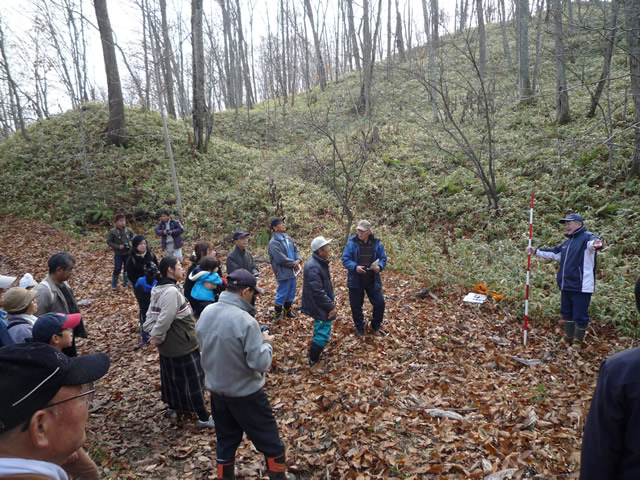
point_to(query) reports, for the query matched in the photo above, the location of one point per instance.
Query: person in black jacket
(318, 297)
(611, 441)
(240, 257)
(141, 266)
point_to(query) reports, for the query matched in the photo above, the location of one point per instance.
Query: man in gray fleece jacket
(235, 356)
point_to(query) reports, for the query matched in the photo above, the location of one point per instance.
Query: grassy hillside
(429, 209)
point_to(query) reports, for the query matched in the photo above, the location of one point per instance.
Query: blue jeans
(575, 306)
(321, 332)
(356, 299)
(286, 291)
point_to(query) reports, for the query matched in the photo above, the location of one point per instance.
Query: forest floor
(363, 411)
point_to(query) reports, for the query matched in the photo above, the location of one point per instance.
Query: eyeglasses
(88, 391)
(89, 394)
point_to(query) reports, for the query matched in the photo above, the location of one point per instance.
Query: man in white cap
(576, 277)
(5, 338)
(318, 296)
(365, 258)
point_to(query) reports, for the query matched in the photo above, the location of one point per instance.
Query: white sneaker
(208, 424)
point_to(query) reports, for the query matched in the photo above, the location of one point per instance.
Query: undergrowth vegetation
(426, 204)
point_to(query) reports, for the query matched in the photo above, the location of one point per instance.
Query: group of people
(226, 351)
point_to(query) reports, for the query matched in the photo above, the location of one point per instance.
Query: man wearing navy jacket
(576, 277)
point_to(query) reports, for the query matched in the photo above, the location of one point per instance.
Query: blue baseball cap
(572, 217)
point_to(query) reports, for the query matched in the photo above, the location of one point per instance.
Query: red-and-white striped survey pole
(526, 301)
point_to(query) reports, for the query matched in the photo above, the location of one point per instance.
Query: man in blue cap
(576, 277)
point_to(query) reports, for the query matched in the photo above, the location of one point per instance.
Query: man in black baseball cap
(43, 408)
(576, 277)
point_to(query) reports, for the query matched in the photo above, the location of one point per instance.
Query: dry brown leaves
(374, 407)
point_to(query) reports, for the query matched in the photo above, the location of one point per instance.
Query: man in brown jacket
(54, 295)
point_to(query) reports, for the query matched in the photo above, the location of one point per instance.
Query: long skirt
(182, 380)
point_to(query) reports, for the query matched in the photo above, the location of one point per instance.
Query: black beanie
(135, 241)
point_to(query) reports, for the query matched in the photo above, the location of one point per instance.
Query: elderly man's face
(363, 235)
(242, 243)
(63, 274)
(70, 419)
(280, 228)
(571, 226)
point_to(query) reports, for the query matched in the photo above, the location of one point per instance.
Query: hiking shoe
(206, 424)
(379, 332)
(360, 332)
(171, 414)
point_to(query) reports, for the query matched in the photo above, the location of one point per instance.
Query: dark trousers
(356, 299)
(575, 306)
(251, 415)
(118, 262)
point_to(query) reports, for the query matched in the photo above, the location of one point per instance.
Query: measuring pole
(526, 301)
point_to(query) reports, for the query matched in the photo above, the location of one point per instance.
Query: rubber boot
(578, 337)
(569, 333)
(278, 313)
(288, 311)
(314, 353)
(145, 338)
(114, 282)
(275, 469)
(226, 471)
(124, 280)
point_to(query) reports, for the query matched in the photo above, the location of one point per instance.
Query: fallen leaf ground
(361, 413)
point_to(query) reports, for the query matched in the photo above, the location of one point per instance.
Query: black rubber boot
(226, 471)
(314, 353)
(276, 467)
(278, 313)
(288, 311)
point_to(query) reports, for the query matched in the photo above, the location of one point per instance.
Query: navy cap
(32, 374)
(572, 217)
(239, 234)
(243, 278)
(51, 324)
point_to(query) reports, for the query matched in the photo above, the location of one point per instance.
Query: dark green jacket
(117, 237)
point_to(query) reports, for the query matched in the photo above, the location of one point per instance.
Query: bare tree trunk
(366, 60)
(165, 131)
(433, 51)
(116, 133)
(199, 107)
(505, 42)
(352, 34)
(609, 42)
(632, 24)
(464, 14)
(526, 93)
(536, 65)
(322, 74)
(243, 58)
(562, 98)
(167, 53)
(399, 36)
(147, 72)
(482, 40)
(13, 88)
(389, 39)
